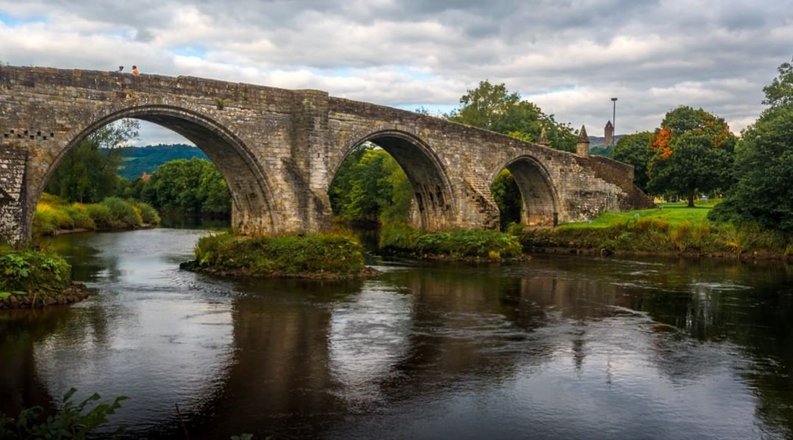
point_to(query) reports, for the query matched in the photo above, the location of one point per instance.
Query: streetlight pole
(614, 114)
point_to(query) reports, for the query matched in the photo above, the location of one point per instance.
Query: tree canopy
(763, 192)
(87, 173)
(493, 107)
(636, 149)
(692, 152)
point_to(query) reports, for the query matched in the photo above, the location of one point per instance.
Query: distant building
(609, 134)
(582, 147)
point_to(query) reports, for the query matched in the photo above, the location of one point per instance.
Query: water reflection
(557, 347)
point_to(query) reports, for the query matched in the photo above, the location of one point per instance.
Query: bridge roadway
(280, 149)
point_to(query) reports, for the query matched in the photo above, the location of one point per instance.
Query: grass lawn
(673, 213)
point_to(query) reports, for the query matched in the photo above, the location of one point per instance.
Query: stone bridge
(280, 149)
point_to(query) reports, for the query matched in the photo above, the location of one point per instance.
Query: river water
(556, 347)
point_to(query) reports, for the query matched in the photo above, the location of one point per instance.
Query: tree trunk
(690, 197)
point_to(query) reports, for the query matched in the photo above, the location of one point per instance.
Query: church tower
(609, 134)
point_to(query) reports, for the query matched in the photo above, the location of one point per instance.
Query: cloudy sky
(568, 56)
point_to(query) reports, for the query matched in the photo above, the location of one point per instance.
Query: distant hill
(137, 160)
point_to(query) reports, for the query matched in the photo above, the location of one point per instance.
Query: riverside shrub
(24, 272)
(477, 244)
(310, 255)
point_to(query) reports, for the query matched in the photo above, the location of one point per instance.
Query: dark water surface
(553, 348)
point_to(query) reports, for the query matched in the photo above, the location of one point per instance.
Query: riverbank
(472, 246)
(325, 256)
(665, 231)
(54, 216)
(36, 279)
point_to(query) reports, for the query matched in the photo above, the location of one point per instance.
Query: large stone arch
(252, 206)
(432, 191)
(540, 196)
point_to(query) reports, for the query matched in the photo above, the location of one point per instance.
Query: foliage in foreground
(71, 421)
(25, 272)
(492, 245)
(54, 214)
(310, 255)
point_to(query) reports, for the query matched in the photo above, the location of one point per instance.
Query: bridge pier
(13, 161)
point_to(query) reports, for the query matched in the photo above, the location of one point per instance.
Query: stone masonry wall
(12, 197)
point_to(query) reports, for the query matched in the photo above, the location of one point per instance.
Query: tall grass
(477, 244)
(53, 214)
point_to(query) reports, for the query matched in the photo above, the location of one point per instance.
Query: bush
(101, 216)
(30, 271)
(122, 213)
(492, 245)
(80, 217)
(147, 213)
(288, 255)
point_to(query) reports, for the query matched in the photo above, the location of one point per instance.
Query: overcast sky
(567, 56)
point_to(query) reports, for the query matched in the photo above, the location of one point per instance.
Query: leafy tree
(764, 163)
(494, 108)
(693, 152)
(193, 187)
(370, 186)
(637, 150)
(87, 173)
(508, 198)
(780, 91)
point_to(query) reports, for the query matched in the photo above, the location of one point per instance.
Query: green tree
(637, 150)
(370, 186)
(87, 173)
(495, 108)
(693, 152)
(764, 163)
(192, 187)
(508, 198)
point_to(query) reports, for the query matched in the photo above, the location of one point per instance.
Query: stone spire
(543, 140)
(582, 147)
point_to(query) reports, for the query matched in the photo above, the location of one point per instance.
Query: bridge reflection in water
(557, 347)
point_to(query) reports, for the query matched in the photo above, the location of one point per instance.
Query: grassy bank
(449, 245)
(54, 215)
(30, 278)
(668, 229)
(322, 256)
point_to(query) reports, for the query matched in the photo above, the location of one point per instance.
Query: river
(556, 347)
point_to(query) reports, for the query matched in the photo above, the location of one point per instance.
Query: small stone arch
(433, 196)
(539, 194)
(252, 206)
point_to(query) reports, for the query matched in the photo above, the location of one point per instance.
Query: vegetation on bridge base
(671, 229)
(319, 256)
(480, 245)
(30, 278)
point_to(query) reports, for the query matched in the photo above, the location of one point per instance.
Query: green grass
(669, 228)
(672, 213)
(451, 245)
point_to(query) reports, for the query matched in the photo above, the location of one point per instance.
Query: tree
(494, 108)
(192, 187)
(780, 91)
(508, 198)
(637, 150)
(370, 186)
(763, 192)
(87, 174)
(692, 152)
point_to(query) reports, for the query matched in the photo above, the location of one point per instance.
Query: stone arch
(432, 191)
(540, 196)
(252, 206)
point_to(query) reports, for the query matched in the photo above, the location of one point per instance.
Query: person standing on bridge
(135, 71)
